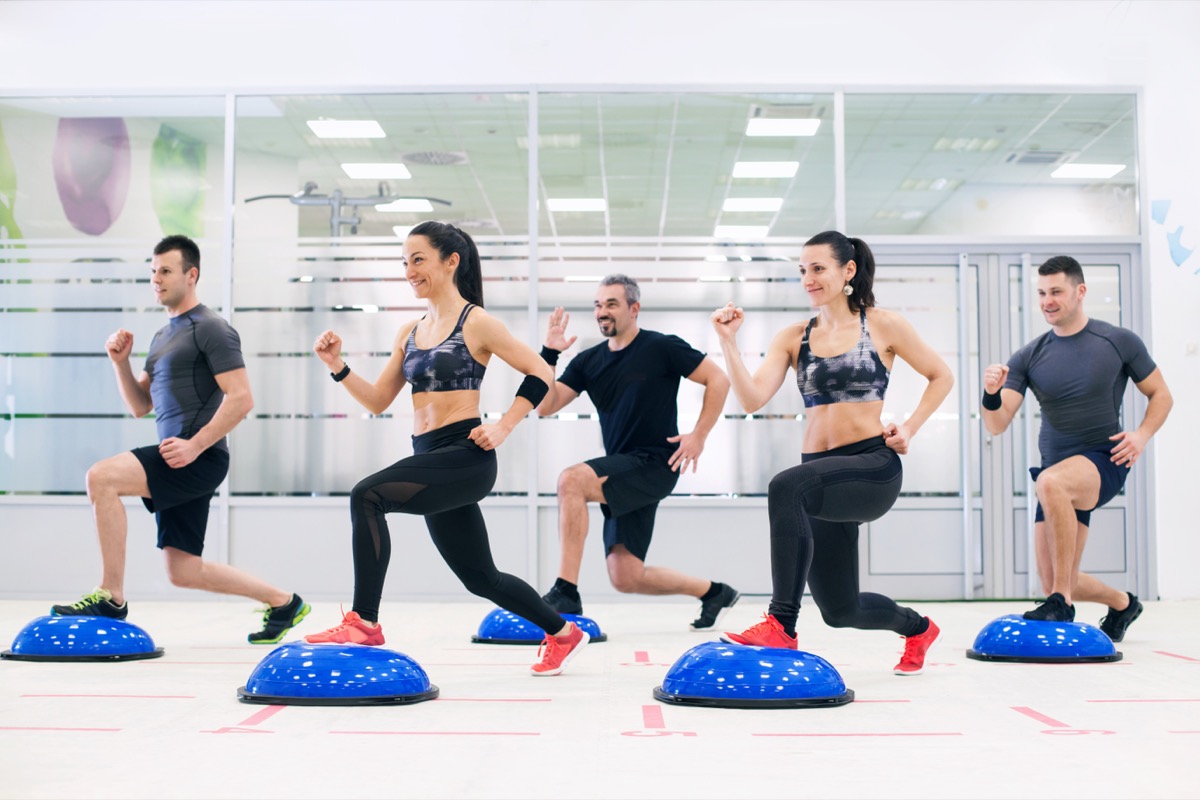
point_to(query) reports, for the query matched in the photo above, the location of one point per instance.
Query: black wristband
(991, 401)
(549, 355)
(338, 377)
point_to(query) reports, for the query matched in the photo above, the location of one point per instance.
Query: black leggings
(443, 481)
(815, 510)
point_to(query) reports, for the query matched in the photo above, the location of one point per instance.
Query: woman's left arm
(903, 340)
(489, 335)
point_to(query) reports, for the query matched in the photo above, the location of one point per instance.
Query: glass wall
(704, 198)
(991, 164)
(87, 186)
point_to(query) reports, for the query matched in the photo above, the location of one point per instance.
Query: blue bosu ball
(505, 627)
(303, 674)
(721, 675)
(71, 638)
(1014, 638)
(81, 638)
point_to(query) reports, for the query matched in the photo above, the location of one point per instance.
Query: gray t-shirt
(184, 357)
(1079, 381)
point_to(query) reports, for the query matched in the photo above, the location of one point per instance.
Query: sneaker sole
(1132, 620)
(737, 596)
(570, 657)
(300, 615)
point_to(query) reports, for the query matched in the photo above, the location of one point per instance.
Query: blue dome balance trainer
(303, 674)
(1014, 638)
(71, 638)
(505, 627)
(720, 675)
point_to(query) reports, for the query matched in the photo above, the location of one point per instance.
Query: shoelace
(88, 600)
(763, 627)
(551, 645)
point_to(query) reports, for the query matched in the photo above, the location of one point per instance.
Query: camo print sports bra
(856, 376)
(446, 367)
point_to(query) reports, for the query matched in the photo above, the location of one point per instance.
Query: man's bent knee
(576, 481)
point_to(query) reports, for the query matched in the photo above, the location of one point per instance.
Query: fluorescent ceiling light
(765, 169)
(406, 204)
(741, 231)
(577, 204)
(782, 127)
(389, 171)
(346, 129)
(752, 204)
(1087, 170)
(402, 230)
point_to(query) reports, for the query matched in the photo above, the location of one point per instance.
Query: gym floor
(172, 727)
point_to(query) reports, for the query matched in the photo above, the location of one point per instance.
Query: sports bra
(856, 376)
(447, 367)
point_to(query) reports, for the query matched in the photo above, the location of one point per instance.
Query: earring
(847, 290)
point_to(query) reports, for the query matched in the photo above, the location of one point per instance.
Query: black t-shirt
(635, 389)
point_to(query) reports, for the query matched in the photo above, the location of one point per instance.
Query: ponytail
(447, 240)
(845, 249)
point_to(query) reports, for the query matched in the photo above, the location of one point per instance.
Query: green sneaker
(97, 604)
(278, 621)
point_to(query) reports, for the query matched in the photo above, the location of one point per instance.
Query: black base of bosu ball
(505, 627)
(720, 675)
(1014, 638)
(303, 674)
(71, 638)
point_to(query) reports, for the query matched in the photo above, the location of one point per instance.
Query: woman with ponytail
(443, 355)
(850, 469)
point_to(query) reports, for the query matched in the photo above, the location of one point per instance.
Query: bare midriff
(840, 424)
(433, 410)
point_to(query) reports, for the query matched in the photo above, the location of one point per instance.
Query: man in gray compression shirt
(195, 381)
(1078, 370)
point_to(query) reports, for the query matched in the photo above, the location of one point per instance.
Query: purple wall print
(91, 171)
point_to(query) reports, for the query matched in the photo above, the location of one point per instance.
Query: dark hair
(188, 251)
(846, 248)
(1064, 264)
(447, 239)
(632, 293)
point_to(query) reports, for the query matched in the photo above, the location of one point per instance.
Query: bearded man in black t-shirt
(633, 380)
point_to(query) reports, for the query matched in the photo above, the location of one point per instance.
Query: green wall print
(177, 181)
(8, 198)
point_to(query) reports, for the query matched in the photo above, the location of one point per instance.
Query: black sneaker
(1115, 622)
(97, 604)
(1054, 609)
(561, 603)
(712, 610)
(278, 621)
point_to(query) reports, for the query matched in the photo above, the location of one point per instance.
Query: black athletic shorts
(636, 483)
(179, 497)
(1112, 480)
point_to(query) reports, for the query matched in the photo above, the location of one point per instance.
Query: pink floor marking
(493, 700)
(652, 717)
(439, 733)
(260, 716)
(954, 733)
(1164, 700)
(1029, 712)
(641, 656)
(89, 730)
(123, 696)
(1176, 655)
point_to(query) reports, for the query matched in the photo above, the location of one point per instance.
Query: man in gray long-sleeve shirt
(195, 381)
(1078, 371)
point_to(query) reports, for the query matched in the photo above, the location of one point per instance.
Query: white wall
(64, 47)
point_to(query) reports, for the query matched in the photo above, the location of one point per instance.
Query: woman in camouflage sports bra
(850, 469)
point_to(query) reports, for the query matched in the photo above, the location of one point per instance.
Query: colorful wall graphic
(91, 171)
(178, 188)
(8, 197)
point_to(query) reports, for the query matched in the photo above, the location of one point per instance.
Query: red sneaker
(353, 630)
(557, 651)
(915, 648)
(768, 633)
